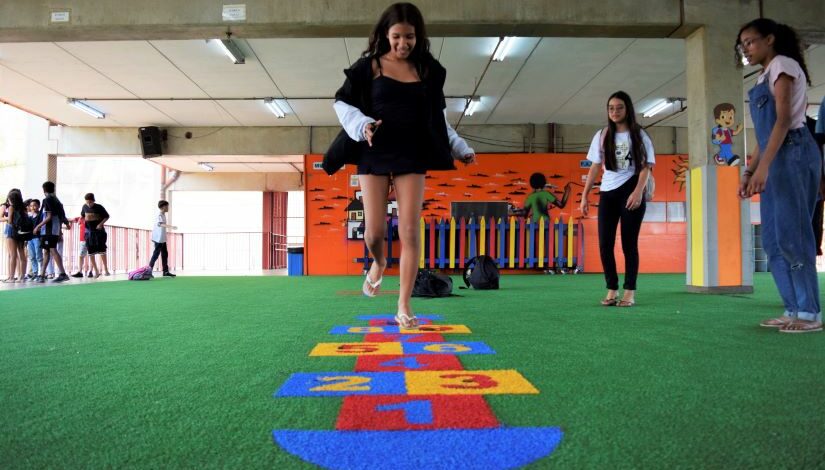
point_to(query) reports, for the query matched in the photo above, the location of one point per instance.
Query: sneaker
(40, 279)
(62, 277)
(89, 274)
(168, 274)
(77, 274)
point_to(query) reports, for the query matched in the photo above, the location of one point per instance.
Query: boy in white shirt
(159, 238)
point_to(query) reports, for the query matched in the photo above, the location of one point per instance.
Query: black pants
(160, 249)
(611, 210)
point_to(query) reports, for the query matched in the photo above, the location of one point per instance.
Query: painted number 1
(415, 412)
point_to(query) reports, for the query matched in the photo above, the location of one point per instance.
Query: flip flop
(802, 327)
(778, 322)
(625, 303)
(376, 286)
(609, 302)
(406, 321)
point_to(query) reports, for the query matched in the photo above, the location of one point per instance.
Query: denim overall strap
(786, 209)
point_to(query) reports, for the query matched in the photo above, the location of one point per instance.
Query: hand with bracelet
(744, 183)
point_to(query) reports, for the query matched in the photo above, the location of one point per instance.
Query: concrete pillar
(720, 249)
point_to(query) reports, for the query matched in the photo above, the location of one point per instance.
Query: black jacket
(357, 91)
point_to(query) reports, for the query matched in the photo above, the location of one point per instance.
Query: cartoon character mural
(722, 135)
(537, 204)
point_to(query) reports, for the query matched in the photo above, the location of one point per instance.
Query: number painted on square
(330, 384)
(475, 382)
(415, 411)
(349, 383)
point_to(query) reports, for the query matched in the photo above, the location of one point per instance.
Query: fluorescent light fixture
(472, 105)
(273, 106)
(86, 108)
(657, 108)
(231, 50)
(503, 48)
(206, 166)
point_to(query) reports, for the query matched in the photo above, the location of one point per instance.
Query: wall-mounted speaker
(150, 141)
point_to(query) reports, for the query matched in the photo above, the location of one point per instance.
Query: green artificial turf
(180, 373)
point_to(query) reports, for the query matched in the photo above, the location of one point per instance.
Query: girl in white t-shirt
(785, 168)
(626, 153)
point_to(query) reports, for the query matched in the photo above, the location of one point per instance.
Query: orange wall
(496, 177)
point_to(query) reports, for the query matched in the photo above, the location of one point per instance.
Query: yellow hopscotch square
(438, 329)
(357, 349)
(467, 382)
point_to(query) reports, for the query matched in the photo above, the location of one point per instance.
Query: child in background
(35, 254)
(159, 238)
(83, 257)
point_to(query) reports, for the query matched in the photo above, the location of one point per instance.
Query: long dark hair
(785, 41)
(637, 147)
(401, 13)
(15, 200)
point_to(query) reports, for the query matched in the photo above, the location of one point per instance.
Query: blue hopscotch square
(432, 317)
(339, 384)
(456, 347)
(362, 330)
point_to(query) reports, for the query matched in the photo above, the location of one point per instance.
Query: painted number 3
(357, 348)
(468, 381)
(346, 383)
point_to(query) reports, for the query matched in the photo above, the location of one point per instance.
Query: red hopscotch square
(379, 322)
(408, 362)
(410, 338)
(401, 412)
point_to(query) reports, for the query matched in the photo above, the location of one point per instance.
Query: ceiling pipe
(166, 183)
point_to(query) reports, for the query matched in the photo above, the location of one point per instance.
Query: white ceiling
(563, 80)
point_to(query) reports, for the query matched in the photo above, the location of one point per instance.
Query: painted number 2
(345, 383)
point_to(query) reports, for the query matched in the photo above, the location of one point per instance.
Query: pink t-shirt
(799, 100)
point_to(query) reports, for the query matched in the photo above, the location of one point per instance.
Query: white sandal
(376, 286)
(406, 321)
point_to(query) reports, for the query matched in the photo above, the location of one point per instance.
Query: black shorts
(96, 242)
(48, 242)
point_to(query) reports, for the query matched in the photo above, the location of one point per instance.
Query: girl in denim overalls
(785, 169)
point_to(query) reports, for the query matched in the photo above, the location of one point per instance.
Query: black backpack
(432, 284)
(23, 226)
(482, 273)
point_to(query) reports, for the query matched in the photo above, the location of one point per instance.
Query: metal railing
(131, 248)
(127, 249)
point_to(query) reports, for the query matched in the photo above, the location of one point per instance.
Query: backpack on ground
(23, 227)
(482, 273)
(141, 274)
(432, 284)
